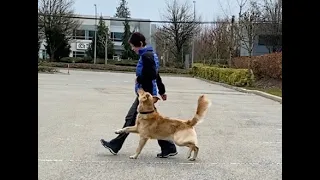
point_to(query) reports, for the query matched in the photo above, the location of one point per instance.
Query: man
(149, 79)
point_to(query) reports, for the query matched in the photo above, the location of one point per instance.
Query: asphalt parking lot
(240, 138)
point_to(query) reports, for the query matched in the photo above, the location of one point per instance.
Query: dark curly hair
(136, 39)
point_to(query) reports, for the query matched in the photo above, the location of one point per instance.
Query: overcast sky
(152, 9)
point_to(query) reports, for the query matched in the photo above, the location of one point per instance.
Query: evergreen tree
(125, 38)
(102, 32)
(57, 44)
(123, 12)
(127, 53)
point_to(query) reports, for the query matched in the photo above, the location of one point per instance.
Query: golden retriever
(151, 125)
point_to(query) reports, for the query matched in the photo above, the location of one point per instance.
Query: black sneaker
(107, 145)
(167, 154)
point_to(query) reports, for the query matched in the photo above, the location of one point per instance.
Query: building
(268, 38)
(153, 30)
(82, 37)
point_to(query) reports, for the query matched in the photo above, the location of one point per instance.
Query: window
(44, 54)
(270, 40)
(79, 34)
(116, 36)
(91, 35)
(78, 54)
(263, 40)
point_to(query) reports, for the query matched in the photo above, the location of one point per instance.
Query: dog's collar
(147, 112)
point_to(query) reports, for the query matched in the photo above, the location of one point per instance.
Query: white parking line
(272, 142)
(159, 162)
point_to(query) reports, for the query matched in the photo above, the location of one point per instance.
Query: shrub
(169, 70)
(173, 64)
(212, 62)
(76, 60)
(89, 59)
(235, 77)
(47, 69)
(110, 67)
(124, 62)
(212, 65)
(269, 65)
(240, 62)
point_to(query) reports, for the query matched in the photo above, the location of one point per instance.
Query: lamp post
(194, 19)
(95, 37)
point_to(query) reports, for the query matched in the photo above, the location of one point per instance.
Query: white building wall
(117, 29)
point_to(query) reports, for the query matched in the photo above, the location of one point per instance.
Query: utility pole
(95, 37)
(194, 19)
(231, 42)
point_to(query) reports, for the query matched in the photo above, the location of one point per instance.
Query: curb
(260, 93)
(127, 72)
(58, 72)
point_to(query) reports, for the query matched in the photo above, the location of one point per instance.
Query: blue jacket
(147, 71)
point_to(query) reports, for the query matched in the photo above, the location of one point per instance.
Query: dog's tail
(203, 105)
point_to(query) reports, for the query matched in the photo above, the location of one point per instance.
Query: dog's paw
(192, 159)
(189, 155)
(133, 157)
(119, 131)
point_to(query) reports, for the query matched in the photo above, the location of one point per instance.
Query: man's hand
(164, 97)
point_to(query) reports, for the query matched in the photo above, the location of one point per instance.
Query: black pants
(130, 121)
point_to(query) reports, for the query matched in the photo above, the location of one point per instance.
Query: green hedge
(111, 67)
(89, 60)
(235, 77)
(124, 62)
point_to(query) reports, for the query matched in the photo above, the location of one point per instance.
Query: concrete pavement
(240, 138)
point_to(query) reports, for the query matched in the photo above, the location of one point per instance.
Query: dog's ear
(140, 91)
(156, 99)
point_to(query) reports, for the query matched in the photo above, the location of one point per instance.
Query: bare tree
(40, 38)
(214, 41)
(224, 40)
(248, 26)
(163, 46)
(272, 13)
(52, 17)
(177, 33)
(160, 43)
(204, 44)
(226, 12)
(238, 30)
